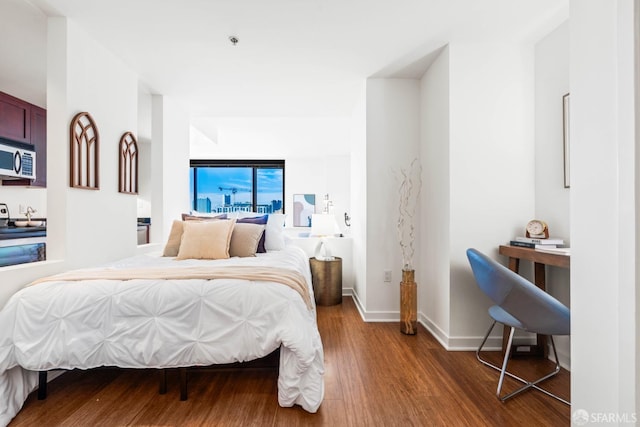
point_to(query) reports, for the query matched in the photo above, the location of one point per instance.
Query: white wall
(83, 76)
(551, 198)
(433, 274)
(170, 174)
(99, 83)
(552, 82)
(144, 146)
(604, 168)
(358, 138)
(270, 137)
(508, 165)
(478, 152)
(393, 137)
(470, 120)
(319, 175)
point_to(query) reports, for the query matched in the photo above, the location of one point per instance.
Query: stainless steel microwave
(17, 160)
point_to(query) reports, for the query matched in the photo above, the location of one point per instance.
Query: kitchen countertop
(13, 232)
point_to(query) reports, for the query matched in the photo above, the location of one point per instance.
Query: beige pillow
(206, 239)
(175, 235)
(245, 239)
(173, 242)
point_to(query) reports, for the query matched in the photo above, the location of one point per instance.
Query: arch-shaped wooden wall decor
(85, 153)
(128, 169)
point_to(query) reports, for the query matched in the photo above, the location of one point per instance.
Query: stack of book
(559, 251)
(535, 243)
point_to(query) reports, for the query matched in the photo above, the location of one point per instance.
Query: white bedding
(148, 323)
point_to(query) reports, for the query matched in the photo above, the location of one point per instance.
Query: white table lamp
(323, 226)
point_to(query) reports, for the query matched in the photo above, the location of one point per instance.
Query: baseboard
(449, 343)
(468, 343)
(563, 358)
(494, 343)
(371, 316)
(356, 300)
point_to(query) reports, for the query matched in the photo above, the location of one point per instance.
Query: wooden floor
(375, 376)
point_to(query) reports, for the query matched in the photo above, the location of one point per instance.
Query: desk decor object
(556, 250)
(534, 243)
(408, 303)
(537, 229)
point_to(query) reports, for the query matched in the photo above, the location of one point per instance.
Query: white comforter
(161, 324)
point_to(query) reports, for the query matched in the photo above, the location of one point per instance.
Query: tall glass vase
(408, 303)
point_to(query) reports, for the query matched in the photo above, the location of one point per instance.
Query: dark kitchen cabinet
(15, 118)
(24, 122)
(39, 140)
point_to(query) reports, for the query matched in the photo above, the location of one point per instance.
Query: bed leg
(42, 385)
(183, 383)
(163, 381)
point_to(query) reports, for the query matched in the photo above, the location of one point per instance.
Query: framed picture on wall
(304, 205)
(565, 138)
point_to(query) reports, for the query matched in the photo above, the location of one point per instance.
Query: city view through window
(224, 189)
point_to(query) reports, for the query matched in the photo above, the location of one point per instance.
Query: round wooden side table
(327, 280)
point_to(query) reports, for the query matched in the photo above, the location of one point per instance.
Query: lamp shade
(323, 225)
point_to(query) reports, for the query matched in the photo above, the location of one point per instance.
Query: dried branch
(410, 184)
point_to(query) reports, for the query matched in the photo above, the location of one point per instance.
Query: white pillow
(274, 232)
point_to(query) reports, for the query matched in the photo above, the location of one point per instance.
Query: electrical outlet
(387, 276)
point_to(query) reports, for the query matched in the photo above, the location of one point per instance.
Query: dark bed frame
(270, 361)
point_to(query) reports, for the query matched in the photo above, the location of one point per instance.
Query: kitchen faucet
(30, 211)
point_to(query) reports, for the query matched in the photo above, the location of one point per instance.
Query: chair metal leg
(504, 363)
(503, 371)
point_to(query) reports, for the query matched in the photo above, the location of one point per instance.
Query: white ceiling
(294, 57)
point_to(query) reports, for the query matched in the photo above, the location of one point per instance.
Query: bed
(174, 315)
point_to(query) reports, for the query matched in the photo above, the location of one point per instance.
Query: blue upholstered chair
(519, 304)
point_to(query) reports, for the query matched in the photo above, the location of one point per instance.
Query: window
(222, 186)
